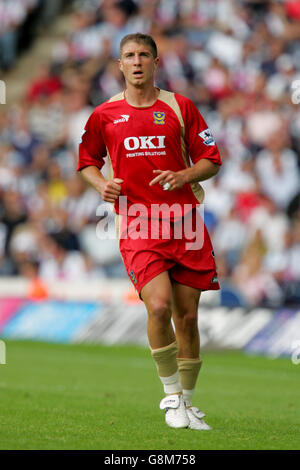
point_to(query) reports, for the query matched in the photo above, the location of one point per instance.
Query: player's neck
(141, 97)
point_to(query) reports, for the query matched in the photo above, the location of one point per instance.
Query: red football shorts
(183, 248)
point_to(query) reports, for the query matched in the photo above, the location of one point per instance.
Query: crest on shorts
(159, 118)
(133, 278)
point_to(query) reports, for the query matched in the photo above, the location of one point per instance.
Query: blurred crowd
(19, 24)
(239, 62)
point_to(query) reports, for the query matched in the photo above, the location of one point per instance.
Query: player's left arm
(200, 171)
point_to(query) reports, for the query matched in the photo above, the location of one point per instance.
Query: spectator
(277, 169)
(59, 263)
(13, 16)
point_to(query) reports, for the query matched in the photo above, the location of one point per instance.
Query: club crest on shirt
(159, 118)
(207, 137)
(132, 277)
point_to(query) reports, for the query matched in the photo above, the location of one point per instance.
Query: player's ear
(120, 65)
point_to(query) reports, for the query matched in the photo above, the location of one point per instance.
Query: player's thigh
(157, 293)
(185, 300)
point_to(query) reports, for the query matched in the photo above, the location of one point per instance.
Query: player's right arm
(110, 190)
(92, 151)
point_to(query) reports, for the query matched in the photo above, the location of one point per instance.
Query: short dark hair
(140, 38)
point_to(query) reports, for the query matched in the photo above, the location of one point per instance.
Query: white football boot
(195, 417)
(175, 412)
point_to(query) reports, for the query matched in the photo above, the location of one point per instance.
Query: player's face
(138, 64)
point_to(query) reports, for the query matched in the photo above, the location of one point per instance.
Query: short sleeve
(92, 149)
(198, 137)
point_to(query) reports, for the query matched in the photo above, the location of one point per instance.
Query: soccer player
(160, 148)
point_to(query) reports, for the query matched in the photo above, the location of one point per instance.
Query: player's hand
(111, 190)
(175, 179)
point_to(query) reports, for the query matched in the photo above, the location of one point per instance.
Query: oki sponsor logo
(145, 142)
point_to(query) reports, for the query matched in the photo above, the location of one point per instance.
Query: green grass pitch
(107, 398)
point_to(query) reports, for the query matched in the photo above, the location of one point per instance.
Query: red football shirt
(169, 135)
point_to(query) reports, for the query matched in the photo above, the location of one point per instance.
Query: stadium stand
(238, 62)
(20, 21)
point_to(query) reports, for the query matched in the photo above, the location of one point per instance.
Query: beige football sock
(167, 368)
(188, 373)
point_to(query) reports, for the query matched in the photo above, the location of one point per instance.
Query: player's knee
(160, 311)
(189, 324)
